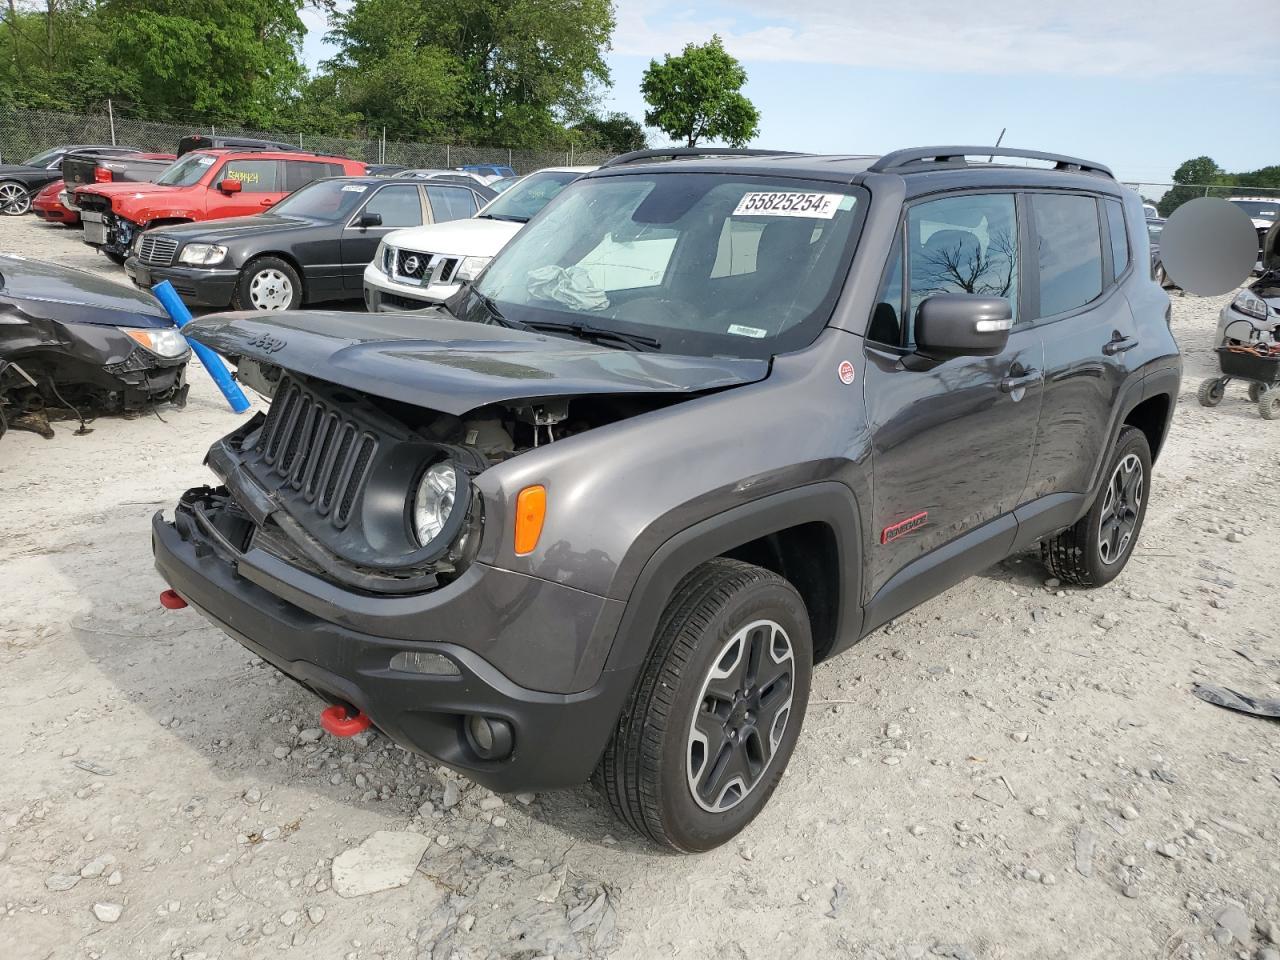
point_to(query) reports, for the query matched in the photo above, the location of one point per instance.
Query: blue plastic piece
(176, 309)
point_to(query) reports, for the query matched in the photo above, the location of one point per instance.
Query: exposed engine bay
(321, 480)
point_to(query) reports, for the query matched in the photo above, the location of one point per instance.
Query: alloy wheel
(14, 199)
(1120, 509)
(741, 716)
(270, 290)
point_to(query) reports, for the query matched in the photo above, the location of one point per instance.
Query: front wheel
(1211, 392)
(15, 199)
(706, 735)
(268, 283)
(1096, 548)
(117, 258)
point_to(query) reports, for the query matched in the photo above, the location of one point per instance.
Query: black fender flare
(828, 501)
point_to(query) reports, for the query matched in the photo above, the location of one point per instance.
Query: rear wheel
(268, 283)
(1097, 547)
(1211, 392)
(706, 735)
(1269, 403)
(15, 199)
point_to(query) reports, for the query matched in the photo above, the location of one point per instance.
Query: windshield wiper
(584, 331)
(495, 314)
(504, 219)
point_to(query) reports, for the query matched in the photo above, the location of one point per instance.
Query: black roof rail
(927, 155)
(677, 153)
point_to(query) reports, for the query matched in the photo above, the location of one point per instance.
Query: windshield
(529, 195)
(43, 159)
(1259, 209)
(1153, 230)
(187, 171)
(706, 264)
(328, 200)
(503, 185)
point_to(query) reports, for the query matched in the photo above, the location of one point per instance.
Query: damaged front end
(84, 343)
(362, 472)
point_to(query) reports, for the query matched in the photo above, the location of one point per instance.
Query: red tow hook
(170, 600)
(338, 721)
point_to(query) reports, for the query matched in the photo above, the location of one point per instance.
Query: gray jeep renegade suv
(711, 418)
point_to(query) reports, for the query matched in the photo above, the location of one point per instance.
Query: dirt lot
(1010, 771)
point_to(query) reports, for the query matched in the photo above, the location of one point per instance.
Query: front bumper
(269, 607)
(384, 295)
(197, 286)
(55, 213)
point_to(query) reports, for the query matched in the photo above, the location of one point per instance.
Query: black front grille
(156, 250)
(412, 266)
(312, 447)
(424, 268)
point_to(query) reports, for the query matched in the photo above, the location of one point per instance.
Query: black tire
(1255, 392)
(1211, 392)
(117, 258)
(15, 198)
(272, 271)
(1269, 403)
(1077, 555)
(645, 772)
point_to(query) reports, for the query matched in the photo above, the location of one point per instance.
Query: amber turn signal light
(531, 510)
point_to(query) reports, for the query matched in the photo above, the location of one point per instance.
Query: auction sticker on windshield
(820, 206)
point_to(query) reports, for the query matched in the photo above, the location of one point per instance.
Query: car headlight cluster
(202, 254)
(470, 268)
(162, 341)
(1250, 305)
(445, 511)
(435, 500)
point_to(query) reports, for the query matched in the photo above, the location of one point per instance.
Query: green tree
(613, 132)
(1200, 171)
(497, 71)
(698, 96)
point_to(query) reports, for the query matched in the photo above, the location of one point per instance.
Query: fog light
(416, 661)
(489, 737)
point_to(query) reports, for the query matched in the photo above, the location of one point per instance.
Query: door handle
(1019, 381)
(1119, 344)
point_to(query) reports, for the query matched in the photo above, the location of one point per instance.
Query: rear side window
(451, 203)
(398, 206)
(298, 173)
(1070, 255)
(1119, 238)
(255, 176)
(963, 244)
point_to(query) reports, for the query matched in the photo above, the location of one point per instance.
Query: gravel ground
(1012, 770)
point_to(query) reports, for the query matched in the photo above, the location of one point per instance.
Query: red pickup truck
(202, 185)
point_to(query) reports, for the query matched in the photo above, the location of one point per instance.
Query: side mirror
(230, 186)
(370, 220)
(963, 325)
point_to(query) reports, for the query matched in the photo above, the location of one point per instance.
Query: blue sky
(1138, 84)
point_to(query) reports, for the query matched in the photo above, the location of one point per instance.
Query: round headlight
(433, 504)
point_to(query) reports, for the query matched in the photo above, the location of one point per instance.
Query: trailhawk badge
(845, 370)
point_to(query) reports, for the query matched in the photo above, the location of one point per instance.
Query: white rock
(315, 914)
(311, 735)
(61, 881)
(115, 879)
(94, 868)
(289, 917)
(384, 861)
(108, 912)
(451, 794)
(492, 803)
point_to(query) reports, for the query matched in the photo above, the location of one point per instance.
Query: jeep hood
(431, 360)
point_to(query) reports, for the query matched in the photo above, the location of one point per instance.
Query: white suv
(422, 266)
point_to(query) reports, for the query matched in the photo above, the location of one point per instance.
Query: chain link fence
(24, 133)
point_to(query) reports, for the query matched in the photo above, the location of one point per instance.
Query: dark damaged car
(85, 342)
(708, 420)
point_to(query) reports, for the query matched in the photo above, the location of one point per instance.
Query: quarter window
(398, 205)
(255, 176)
(451, 203)
(963, 244)
(1070, 254)
(886, 316)
(298, 173)
(1119, 238)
